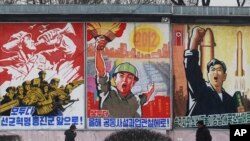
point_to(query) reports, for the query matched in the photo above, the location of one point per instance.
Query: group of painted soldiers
(47, 98)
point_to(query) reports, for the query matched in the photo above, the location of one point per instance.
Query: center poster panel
(128, 75)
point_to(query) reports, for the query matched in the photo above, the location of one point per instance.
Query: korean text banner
(211, 66)
(41, 68)
(128, 75)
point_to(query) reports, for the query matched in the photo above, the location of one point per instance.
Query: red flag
(178, 41)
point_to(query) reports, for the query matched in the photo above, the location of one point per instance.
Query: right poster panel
(211, 71)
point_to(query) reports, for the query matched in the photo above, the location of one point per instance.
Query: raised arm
(191, 62)
(101, 42)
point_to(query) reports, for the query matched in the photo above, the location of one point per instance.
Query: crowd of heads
(137, 135)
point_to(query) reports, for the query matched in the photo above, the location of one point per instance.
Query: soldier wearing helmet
(24, 57)
(20, 43)
(125, 76)
(26, 86)
(16, 41)
(28, 56)
(118, 99)
(42, 74)
(54, 83)
(41, 79)
(9, 96)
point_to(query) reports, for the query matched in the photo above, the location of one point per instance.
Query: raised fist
(101, 42)
(196, 37)
(198, 34)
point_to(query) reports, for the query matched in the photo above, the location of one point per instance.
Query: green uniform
(115, 103)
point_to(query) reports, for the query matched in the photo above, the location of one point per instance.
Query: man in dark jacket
(209, 96)
(202, 133)
(70, 134)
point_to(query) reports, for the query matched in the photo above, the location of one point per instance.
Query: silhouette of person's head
(200, 123)
(137, 135)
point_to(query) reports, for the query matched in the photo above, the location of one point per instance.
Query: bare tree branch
(205, 3)
(179, 2)
(241, 3)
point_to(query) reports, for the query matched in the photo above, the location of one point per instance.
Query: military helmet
(19, 87)
(27, 82)
(10, 88)
(127, 67)
(35, 82)
(55, 80)
(42, 72)
(15, 40)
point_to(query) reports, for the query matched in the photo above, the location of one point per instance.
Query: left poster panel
(42, 75)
